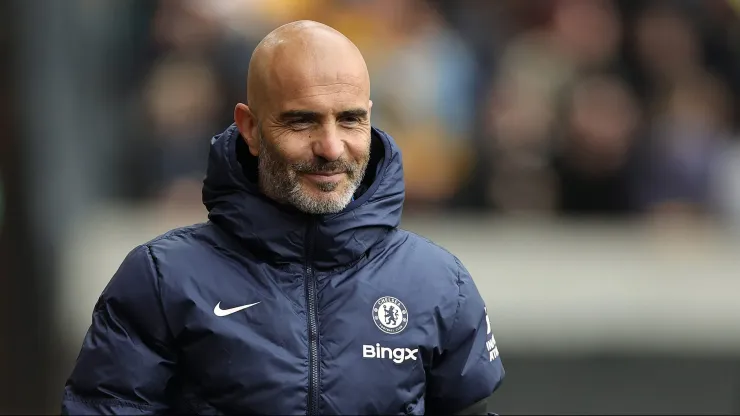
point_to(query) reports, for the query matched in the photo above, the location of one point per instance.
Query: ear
(247, 123)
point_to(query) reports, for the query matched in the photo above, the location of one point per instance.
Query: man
(300, 295)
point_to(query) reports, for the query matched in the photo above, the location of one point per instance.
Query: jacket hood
(281, 234)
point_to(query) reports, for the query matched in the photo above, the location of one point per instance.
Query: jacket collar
(281, 234)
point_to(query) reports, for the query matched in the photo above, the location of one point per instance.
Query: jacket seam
(458, 282)
(127, 403)
(158, 289)
(190, 229)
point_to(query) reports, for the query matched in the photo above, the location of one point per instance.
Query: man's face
(314, 148)
(308, 119)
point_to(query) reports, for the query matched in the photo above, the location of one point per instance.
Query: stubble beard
(279, 180)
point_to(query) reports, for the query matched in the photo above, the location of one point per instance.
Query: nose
(327, 144)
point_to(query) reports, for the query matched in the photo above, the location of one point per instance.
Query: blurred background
(582, 157)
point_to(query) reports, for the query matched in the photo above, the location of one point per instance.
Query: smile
(324, 176)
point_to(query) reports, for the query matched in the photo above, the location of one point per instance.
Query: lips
(324, 175)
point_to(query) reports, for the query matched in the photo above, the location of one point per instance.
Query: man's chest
(356, 344)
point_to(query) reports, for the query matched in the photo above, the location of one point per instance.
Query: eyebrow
(354, 112)
(299, 114)
(313, 115)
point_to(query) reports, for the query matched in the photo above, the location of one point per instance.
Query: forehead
(331, 98)
(319, 80)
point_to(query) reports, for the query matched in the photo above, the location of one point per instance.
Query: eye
(298, 125)
(351, 121)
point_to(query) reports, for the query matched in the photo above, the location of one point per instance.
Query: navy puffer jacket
(267, 310)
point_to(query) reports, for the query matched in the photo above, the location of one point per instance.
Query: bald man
(300, 295)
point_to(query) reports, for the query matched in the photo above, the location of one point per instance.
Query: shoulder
(161, 268)
(176, 250)
(438, 255)
(184, 245)
(435, 281)
(432, 263)
(178, 238)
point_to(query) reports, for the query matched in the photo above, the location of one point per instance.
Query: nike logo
(223, 312)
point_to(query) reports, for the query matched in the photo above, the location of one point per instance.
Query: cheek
(359, 147)
(292, 148)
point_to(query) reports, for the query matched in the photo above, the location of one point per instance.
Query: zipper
(313, 327)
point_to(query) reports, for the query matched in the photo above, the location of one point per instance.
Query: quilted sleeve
(127, 360)
(469, 368)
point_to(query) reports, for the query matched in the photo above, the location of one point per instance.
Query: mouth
(324, 176)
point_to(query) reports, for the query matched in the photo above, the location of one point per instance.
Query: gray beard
(279, 181)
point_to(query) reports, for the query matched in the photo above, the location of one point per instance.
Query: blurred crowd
(564, 107)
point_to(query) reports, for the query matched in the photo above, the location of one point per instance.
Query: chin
(333, 197)
(316, 201)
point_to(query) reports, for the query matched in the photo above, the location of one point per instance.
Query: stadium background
(581, 156)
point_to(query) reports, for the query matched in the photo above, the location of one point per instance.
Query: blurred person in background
(691, 106)
(535, 69)
(688, 136)
(194, 69)
(593, 156)
(300, 291)
(668, 48)
(424, 90)
(570, 89)
(180, 118)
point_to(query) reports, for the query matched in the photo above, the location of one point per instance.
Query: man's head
(308, 116)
